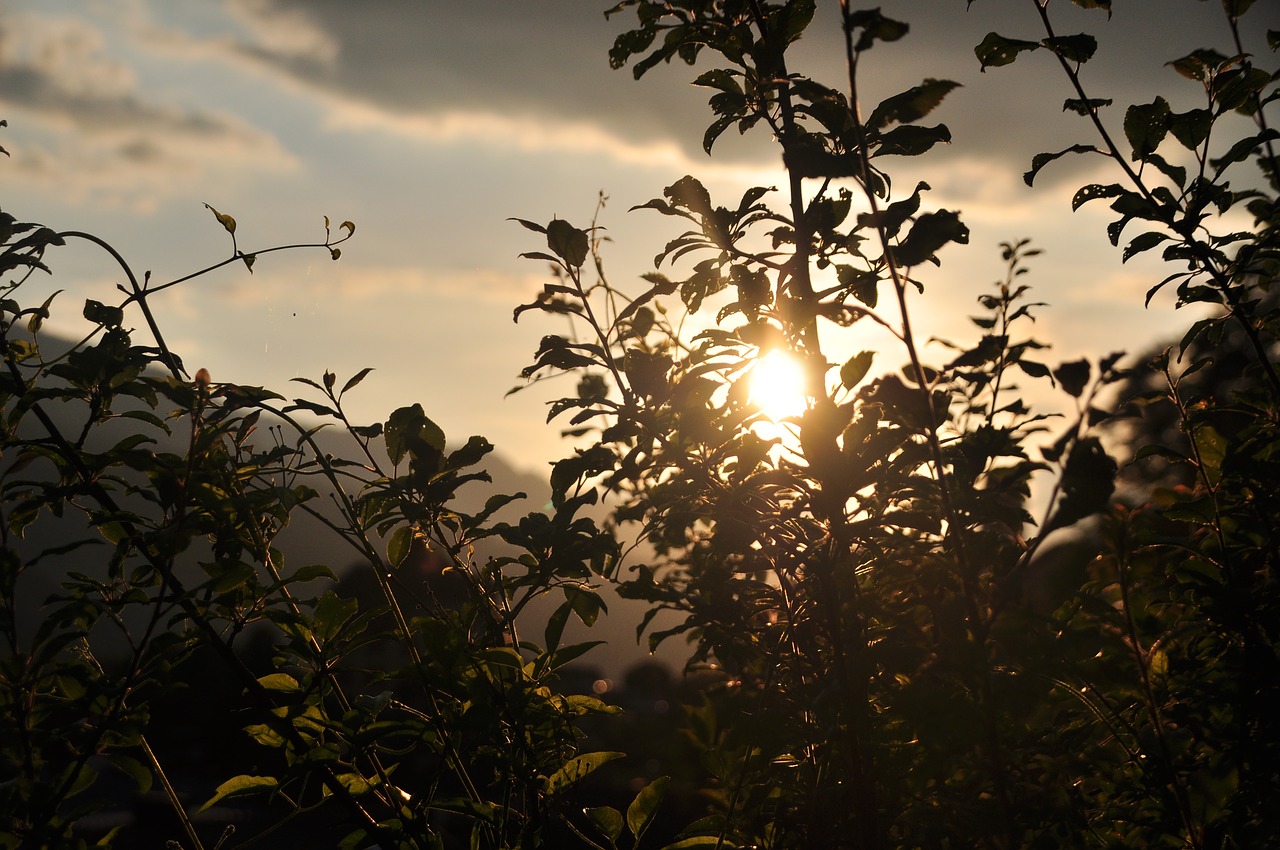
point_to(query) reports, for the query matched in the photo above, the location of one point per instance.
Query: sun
(778, 386)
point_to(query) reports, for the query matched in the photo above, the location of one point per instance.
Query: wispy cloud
(81, 123)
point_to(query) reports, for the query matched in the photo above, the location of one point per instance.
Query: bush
(889, 654)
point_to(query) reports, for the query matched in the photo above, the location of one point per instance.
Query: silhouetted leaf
(912, 104)
(996, 50)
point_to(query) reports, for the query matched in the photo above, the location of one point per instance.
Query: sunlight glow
(777, 386)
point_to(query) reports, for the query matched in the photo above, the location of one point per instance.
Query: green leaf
(243, 784)
(135, 770)
(856, 368)
(279, 682)
(226, 221)
(912, 104)
(645, 805)
(606, 819)
(996, 50)
(399, 545)
(332, 611)
(577, 769)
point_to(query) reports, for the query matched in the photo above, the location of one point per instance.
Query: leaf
(688, 192)
(102, 314)
(875, 27)
(1040, 160)
(355, 379)
(568, 242)
(225, 220)
(911, 140)
(606, 819)
(135, 770)
(1073, 376)
(1143, 242)
(1085, 107)
(930, 232)
(577, 769)
(1088, 480)
(1145, 126)
(1073, 48)
(645, 805)
(912, 104)
(856, 368)
(1191, 128)
(863, 285)
(996, 51)
(399, 545)
(1094, 191)
(279, 682)
(237, 785)
(41, 313)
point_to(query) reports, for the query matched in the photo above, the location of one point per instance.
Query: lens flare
(777, 386)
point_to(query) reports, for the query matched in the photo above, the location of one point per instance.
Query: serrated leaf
(912, 104)
(568, 242)
(279, 682)
(355, 379)
(996, 51)
(856, 368)
(1073, 48)
(1143, 242)
(1146, 125)
(1040, 160)
(577, 769)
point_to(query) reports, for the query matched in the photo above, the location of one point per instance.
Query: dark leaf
(912, 104)
(996, 50)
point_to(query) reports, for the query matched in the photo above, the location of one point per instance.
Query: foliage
(889, 652)
(855, 575)
(439, 721)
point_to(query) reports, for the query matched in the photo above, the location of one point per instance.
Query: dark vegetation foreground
(884, 652)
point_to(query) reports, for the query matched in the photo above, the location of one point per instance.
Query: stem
(172, 795)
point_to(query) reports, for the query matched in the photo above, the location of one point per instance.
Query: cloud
(78, 121)
(349, 282)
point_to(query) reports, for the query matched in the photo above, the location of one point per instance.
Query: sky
(429, 124)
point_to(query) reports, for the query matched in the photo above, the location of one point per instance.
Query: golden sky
(430, 123)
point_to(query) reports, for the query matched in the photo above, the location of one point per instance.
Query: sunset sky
(430, 123)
